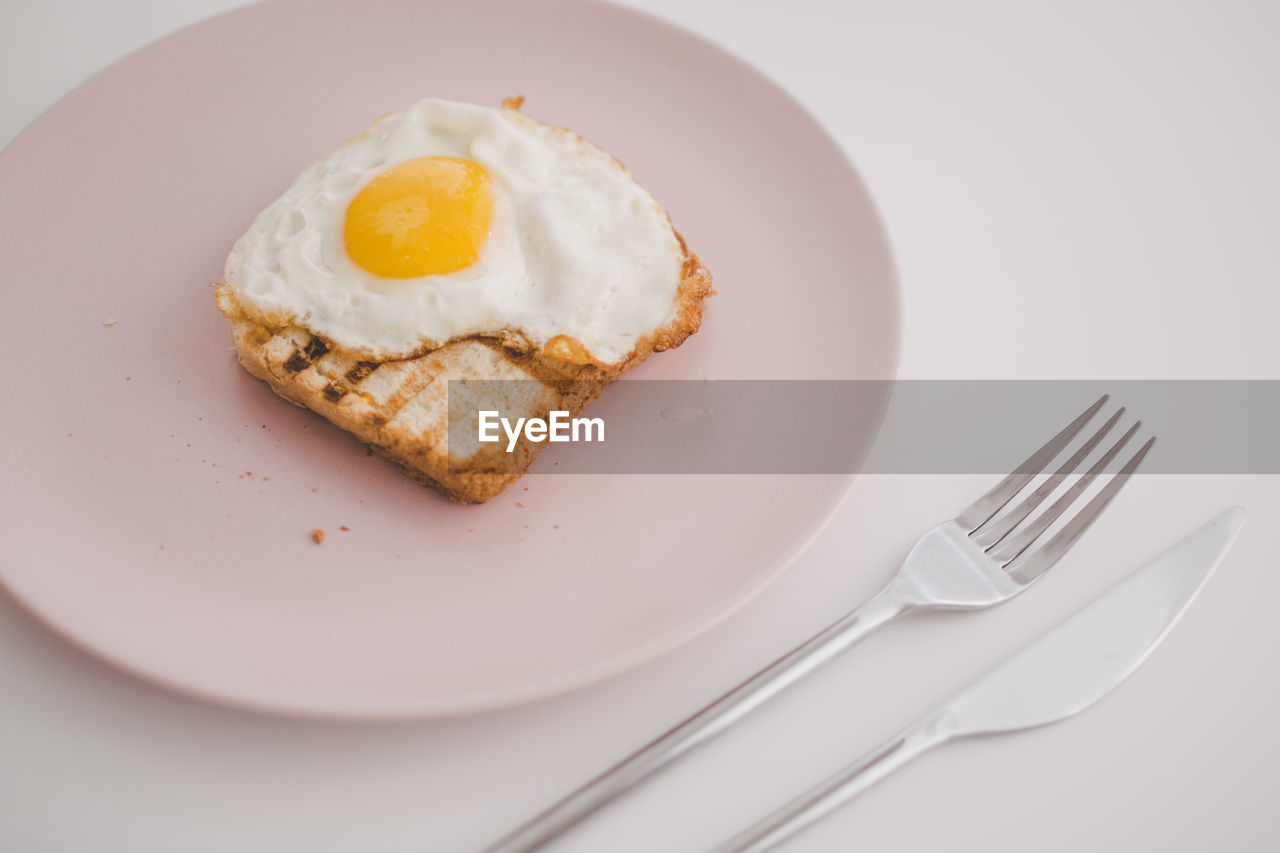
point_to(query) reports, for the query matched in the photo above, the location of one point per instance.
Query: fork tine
(981, 511)
(993, 535)
(1039, 561)
(1015, 546)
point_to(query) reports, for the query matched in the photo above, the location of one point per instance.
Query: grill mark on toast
(316, 348)
(361, 371)
(336, 388)
(417, 380)
(296, 363)
(302, 358)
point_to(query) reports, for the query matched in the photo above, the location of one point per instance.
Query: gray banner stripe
(928, 427)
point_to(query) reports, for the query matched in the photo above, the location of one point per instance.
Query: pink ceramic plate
(159, 502)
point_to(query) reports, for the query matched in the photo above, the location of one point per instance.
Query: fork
(972, 561)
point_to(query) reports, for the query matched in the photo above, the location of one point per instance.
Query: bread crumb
(555, 527)
(343, 527)
(519, 504)
(110, 321)
(127, 378)
(317, 536)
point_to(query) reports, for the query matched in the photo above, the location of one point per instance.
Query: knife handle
(821, 800)
(707, 723)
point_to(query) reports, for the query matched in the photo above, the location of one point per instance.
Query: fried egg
(452, 220)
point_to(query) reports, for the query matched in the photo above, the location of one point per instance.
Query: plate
(159, 502)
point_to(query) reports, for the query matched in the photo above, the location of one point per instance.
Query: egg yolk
(427, 216)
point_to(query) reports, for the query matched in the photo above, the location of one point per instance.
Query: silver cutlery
(1060, 674)
(976, 560)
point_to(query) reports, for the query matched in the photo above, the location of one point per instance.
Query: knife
(1060, 674)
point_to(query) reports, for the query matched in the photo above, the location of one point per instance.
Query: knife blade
(1086, 656)
(1058, 675)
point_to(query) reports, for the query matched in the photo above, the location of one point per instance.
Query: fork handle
(707, 723)
(826, 797)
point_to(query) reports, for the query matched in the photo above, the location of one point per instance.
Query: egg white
(576, 247)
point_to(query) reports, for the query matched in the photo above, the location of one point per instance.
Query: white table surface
(1073, 190)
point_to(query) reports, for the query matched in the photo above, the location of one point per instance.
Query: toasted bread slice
(400, 407)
